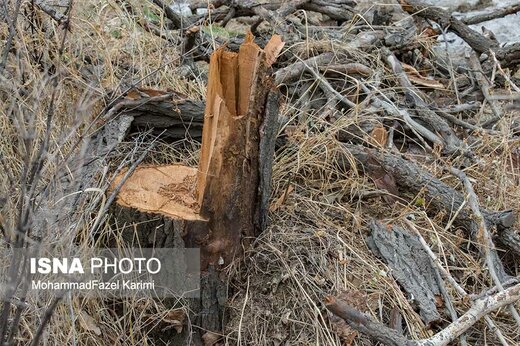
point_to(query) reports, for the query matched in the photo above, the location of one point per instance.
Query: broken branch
(498, 13)
(440, 196)
(492, 260)
(388, 336)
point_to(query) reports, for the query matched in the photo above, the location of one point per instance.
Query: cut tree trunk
(220, 206)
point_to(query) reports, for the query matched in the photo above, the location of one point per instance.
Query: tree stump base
(220, 206)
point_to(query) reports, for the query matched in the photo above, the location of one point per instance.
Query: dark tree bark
(439, 196)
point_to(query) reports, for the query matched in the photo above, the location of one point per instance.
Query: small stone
(181, 8)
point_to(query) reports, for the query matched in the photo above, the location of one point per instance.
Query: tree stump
(220, 206)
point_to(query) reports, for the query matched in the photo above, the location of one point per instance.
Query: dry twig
(388, 336)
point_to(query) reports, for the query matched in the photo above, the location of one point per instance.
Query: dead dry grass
(105, 52)
(315, 244)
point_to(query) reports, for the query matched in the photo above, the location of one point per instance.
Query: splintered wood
(223, 193)
(233, 86)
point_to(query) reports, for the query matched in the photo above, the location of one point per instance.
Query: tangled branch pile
(408, 112)
(397, 169)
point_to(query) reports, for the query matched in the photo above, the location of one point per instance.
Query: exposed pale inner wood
(231, 76)
(168, 190)
(229, 149)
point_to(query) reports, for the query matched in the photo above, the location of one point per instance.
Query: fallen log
(477, 41)
(438, 195)
(167, 114)
(221, 205)
(335, 9)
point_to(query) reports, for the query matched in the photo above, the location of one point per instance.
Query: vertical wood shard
(227, 181)
(222, 204)
(228, 191)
